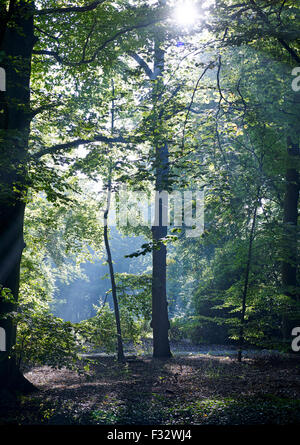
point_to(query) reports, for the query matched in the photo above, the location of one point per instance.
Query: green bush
(100, 331)
(43, 339)
(182, 328)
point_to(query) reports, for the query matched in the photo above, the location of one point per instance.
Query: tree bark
(290, 238)
(16, 45)
(120, 351)
(247, 274)
(160, 321)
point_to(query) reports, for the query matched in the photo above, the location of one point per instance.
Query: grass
(227, 411)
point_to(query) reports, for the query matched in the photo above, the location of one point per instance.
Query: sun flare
(186, 14)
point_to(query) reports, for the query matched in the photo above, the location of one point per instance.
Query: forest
(149, 195)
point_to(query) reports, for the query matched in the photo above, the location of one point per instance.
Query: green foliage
(6, 295)
(134, 295)
(58, 240)
(43, 339)
(225, 109)
(100, 330)
(184, 327)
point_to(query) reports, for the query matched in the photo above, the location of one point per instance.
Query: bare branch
(219, 81)
(209, 66)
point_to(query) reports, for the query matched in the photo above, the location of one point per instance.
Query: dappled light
(149, 215)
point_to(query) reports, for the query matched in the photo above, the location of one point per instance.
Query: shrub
(43, 339)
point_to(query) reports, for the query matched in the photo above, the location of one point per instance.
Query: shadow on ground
(197, 389)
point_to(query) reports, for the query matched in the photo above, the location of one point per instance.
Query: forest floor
(194, 389)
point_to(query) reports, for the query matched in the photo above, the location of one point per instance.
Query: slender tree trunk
(246, 283)
(120, 351)
(121, 357)
(16, 46)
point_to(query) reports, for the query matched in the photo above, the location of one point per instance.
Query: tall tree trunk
(160, 322)
(290, 236)
(16, 45)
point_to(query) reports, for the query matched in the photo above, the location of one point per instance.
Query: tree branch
(72, 144)
(46, 33)
(290, 50)
(100, 48)
(43, 108)
(142, 64)
(87, 39)
(209, 66)
(54, 54)
(86, 8)
(265, 19)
